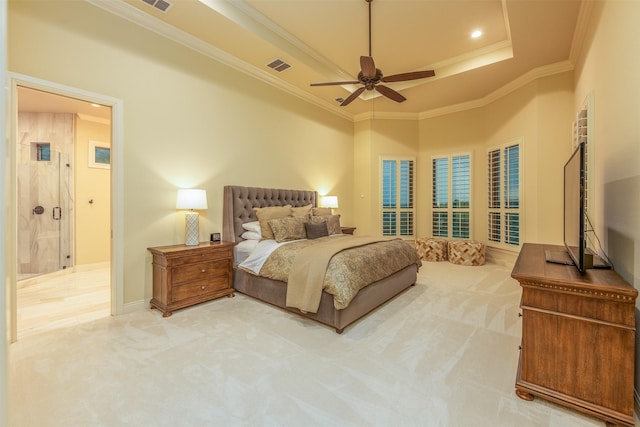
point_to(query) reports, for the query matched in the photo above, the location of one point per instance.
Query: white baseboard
(503, 257)
(131, 307)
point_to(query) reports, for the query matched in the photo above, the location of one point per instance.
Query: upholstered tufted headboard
(239, 202)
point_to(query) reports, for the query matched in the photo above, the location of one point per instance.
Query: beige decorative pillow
(321, 211)
(301, 211)
(291, 228)
(266, 214)
(333, 222)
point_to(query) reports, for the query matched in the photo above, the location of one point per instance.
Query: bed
(238, 210)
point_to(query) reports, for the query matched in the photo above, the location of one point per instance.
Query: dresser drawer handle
(203, 270)
(203, 287)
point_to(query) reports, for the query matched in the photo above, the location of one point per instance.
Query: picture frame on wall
(99, 155)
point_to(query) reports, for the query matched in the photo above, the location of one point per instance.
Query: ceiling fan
(370, 77)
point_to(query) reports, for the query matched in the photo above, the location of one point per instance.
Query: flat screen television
(574, 209)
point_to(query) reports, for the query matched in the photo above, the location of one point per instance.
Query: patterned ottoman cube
(466, 252)
(432, 249)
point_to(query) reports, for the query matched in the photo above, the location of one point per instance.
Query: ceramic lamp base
(192, 234)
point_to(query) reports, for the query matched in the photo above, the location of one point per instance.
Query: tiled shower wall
(44, 243)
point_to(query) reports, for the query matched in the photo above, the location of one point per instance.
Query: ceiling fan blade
(367, 66)
(414, 75)
(356, 93)
(355, 82)
(390, 93)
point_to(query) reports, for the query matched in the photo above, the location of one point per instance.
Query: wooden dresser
(578, 337)
(188, 275)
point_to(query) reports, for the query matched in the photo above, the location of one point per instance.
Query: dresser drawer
(199, 288)
(203, 270)
(210, 255)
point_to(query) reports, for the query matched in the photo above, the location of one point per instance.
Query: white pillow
(252, 226)
(251, 235)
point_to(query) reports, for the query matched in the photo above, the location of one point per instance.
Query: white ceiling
(36, 101)
(323, 40)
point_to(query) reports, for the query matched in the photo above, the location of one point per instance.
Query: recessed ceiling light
(476, 34)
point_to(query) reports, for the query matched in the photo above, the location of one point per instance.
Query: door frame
(117, 187)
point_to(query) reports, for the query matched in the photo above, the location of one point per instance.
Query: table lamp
(329, 202)
(192, 199)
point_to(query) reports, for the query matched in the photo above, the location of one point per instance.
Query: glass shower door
(65, 210)
(44, 210)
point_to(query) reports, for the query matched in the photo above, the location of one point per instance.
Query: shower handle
(57, 210)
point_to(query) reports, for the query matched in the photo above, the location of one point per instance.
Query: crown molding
(138, 17)
(382, 115)
(95, 119)
(582, 24)
(536, 73)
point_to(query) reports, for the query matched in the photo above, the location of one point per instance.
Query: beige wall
(92, 220)
(188, 122)
(374, 139)
(538, 116)
(608, 68)
(451, 133)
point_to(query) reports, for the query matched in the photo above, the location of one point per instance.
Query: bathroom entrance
(63, 200)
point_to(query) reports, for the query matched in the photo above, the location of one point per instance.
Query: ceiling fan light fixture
(370, 77)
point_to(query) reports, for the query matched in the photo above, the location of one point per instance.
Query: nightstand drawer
(210, 255)
(203, 270)
(187, 275)
(201, 287)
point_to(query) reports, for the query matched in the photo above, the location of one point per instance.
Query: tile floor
(62, 299)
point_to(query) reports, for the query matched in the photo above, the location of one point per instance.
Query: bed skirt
(275, 292)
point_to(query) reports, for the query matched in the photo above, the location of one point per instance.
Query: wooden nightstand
(188, 275)
(348, 230)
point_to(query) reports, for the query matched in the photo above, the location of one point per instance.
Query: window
(503, 167)
(451, 196)
(42, 151)
(397, 197)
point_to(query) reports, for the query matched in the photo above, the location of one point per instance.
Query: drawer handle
(203, 270)
(203, 287)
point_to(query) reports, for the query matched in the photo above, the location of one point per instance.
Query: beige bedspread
(349, 270)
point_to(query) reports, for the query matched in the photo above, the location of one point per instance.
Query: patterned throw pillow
(316, 230)
(321, 211)
(291, 228)
(333, 222)
(266, 214)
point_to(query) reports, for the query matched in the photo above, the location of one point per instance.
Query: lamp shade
(329, 202)
(194, 199)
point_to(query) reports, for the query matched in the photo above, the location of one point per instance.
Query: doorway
(63, 249)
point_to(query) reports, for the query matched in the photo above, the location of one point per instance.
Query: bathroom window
(42, 151)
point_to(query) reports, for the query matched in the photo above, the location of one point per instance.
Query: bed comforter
(348, 271)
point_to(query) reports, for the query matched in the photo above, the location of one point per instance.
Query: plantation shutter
(397, 197)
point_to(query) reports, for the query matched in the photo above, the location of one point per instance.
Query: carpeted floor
(444, 353)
